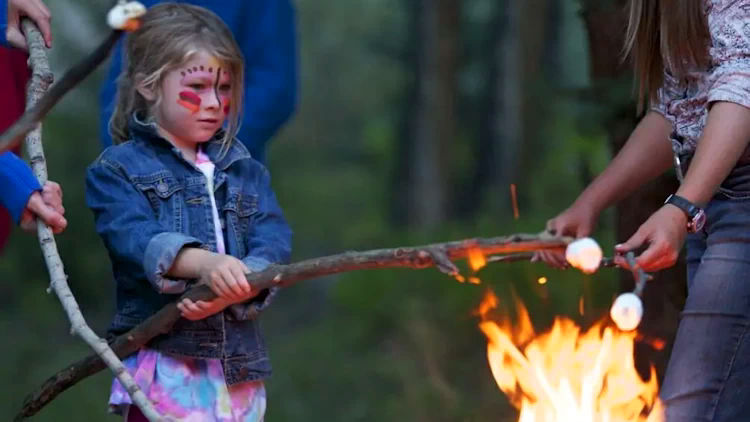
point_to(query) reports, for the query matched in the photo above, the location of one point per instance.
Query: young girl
(179, 201)
(692, 59)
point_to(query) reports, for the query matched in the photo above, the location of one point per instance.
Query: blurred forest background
(415, 117)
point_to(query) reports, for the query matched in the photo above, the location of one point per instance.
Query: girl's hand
(664, 232)
(201, 309)
(225, 275)
(578, 221)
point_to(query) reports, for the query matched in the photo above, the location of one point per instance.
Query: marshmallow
(627, 311)
(584, 254)
(124, 15)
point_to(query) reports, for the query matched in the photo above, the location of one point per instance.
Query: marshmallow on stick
(124, 16)
(584, 254)
(627, 311)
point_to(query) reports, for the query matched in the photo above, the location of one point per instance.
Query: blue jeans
(708, 376)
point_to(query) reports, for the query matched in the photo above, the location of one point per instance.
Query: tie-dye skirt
(191, 390)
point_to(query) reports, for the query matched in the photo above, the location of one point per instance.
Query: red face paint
(225, 101)
(190, 101)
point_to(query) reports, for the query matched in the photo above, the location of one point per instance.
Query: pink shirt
(685, 104)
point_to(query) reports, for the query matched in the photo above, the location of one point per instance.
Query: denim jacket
(149, 202)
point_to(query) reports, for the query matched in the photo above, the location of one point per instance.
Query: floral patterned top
(685, 104)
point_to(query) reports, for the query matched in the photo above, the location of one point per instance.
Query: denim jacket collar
(145, 131)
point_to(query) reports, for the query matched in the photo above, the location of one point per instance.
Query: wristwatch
(696, 216)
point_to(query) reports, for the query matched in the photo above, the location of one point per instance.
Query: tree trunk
(433, 126)
(663, 298)
(509, 125)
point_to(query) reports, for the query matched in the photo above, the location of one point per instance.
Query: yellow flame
(567, 375)
(476, 259)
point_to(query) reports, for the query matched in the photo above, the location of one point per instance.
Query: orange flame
(565, 375)
(477, 261)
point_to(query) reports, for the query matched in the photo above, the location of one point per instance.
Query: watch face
(698, 221)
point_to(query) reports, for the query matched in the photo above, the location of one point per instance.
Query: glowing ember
(514, 201)
(565, 375)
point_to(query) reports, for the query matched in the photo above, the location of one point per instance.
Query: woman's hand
(201, 309)
(225, 275)
(664, 232)
(579, 221)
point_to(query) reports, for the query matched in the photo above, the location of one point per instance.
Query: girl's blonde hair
(169, 35)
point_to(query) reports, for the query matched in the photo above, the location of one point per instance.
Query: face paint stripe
(190, 106)
(189, 100)
(190, 97)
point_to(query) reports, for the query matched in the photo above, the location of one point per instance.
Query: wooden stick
(40, 80)
(287, 275)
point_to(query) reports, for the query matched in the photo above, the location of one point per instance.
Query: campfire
(566, 375)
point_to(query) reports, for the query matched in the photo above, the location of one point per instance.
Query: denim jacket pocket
(237, 211)
(161, 189)
(243, 205)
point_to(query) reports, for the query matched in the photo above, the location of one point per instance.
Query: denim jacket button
(162, 187)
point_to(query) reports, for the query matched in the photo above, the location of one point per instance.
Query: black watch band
(696, 216)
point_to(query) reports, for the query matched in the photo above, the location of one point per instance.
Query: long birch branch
(40, 80)
(438, 255)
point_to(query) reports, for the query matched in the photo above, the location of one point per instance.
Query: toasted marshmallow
(124, 15)
(627, 311)
(584, 254)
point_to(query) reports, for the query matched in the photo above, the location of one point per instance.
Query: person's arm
(646, 155)
(166, 258)
(22, 196)
(3, 23)
(126, 223)
(17, 183)
(270, 50)
(725, 136)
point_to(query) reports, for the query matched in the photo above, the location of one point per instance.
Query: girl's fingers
(234, 291)
(239, 275)
(189, 309)
(217, 286)
(245, 269)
